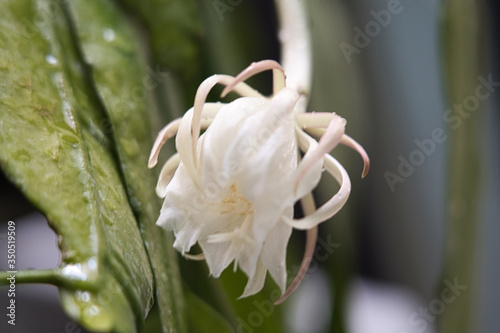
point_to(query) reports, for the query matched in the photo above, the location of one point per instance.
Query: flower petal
(201, 96)
(258, 67)
(219, 137)
(311, 177)
(216, 255)
(166, 174)
(273, 255)
(167, 132)
(332, 206)
(350, 142)
(255, 281)
(312, 236)
(264, 153)
(330, 139)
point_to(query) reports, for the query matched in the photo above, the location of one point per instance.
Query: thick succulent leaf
(56, 146)
(107, 46)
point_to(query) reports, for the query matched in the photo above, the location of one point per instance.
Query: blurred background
(425, 219)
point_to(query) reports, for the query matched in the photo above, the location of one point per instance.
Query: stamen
(258, 67)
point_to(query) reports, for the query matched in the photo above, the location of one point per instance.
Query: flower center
(235, 202)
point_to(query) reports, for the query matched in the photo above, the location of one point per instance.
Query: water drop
(51, 59)
(74, 272)
(108, 35)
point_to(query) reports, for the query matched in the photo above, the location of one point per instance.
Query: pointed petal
(166, 133)
(255, 282)
(202, 93)
(166, 174)
(209, 112)
(186, 237)
(184, 143)
(273, 254)
(258, 67)
(312, 236)
(332, 206)
(217, 256)
(350, 142)
(328, 141)
(312, 176)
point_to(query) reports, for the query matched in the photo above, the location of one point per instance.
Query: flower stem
(296, 51)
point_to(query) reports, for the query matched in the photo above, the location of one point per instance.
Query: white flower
(232, 189)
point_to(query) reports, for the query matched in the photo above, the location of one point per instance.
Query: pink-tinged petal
(330, 139)
(308, 120)
(258, 67)
(184, 144)
(332, 206)
(166, 133)
(166, 174)
(311, 177)
(256, 281)
(202, 93)
(350, 142)
(311, 237)
(170, 130)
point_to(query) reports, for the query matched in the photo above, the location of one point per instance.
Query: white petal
(256, 281)
(332, 206)
(217, 256)
(311, 177)
(264, 151)
(220, 135)
(167, 132)
(186, 237)
(166, 174)
(273, 254)
(184, 145)
(314, 156)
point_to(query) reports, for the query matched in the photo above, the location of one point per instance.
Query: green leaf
(108, 46)
(56, 145)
